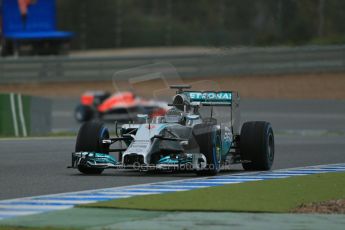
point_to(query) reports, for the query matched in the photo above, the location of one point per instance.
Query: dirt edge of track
(326, 207)
(289, 86)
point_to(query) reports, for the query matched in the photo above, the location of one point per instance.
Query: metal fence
(219, 62)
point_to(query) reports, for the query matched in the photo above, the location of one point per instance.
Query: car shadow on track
(158, 174)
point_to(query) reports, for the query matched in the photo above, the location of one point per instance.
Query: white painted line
(21, 115)
(168, 189)
(248, 177)
(317, 170)
(181, 184)
(14, 115)
(340, 168)
(88, 196)
(304, 171)
(213, 182)
(63, 198)
(234, 179)
(129, 193)
(157, 189)
(48, 202)
(172, 186)
(37, 207)
(289, 174)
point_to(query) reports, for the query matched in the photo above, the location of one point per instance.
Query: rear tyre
(257, 145)
(83, 113)
(89, 139)
(209, 143)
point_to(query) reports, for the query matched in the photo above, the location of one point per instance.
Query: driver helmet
(174, 115)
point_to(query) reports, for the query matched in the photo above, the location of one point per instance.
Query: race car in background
(101, 105)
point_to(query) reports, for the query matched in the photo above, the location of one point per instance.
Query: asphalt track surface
(307, 133)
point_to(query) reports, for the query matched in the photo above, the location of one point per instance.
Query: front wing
(192, 161)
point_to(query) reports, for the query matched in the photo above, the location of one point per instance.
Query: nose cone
(133, 159)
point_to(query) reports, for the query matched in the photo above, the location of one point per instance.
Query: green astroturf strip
(278, 195)
(6, 122)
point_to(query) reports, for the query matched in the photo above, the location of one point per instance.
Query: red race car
(118, 106)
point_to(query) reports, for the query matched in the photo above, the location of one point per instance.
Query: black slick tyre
(257, 145)
(209, 143)
(89, 139)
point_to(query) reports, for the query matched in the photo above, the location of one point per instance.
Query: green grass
(278, 195)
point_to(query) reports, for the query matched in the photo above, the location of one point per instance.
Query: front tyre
(209, 143)
(89, 139)
(257, 145)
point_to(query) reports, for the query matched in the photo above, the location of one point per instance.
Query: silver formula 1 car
(200, 133)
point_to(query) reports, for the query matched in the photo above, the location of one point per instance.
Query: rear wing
(219, 98)
(210, 98)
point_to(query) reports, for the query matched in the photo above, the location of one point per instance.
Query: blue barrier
(37, 22)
